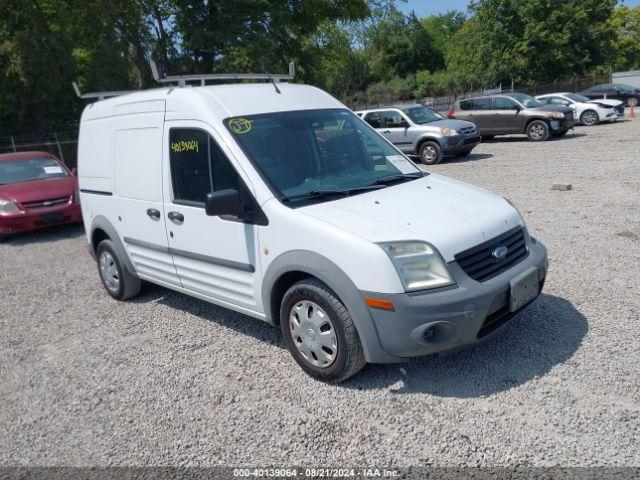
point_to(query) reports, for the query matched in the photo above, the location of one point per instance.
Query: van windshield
(319, 155)
(28, 169)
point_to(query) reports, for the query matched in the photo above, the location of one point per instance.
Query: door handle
(176, 217)
(153, 213)
(387, 131)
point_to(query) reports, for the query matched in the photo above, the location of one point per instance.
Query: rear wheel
(589, 118)
(633, 101)
(116, 279)
(430, 153)
(537, 131)
(319, 332)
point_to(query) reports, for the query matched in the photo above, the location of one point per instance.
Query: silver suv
(418, 130)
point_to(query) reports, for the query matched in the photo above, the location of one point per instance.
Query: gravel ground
(170, 380)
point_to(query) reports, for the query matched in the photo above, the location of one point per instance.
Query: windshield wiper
(395, 178)
(330, 193)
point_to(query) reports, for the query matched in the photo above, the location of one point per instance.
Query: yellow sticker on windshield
(240, 125)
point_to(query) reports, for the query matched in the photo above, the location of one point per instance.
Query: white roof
(222, 101)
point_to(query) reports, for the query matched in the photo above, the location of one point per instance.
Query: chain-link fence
(63, 144)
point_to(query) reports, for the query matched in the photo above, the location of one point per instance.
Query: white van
(287, 207)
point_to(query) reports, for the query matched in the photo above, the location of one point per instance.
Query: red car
(36, 190)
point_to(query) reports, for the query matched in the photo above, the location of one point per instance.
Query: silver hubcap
(313, 334)
(632, 102)
(429, 153)
(109, 272)
(589, 118)
(537, 131)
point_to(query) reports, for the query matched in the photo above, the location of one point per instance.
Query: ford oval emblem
(500, 252)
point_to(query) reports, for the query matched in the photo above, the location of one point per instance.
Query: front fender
(328, 272)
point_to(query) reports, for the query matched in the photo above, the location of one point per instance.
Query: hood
(37, 190)
(554, 108)
(606, 102)
(453, 216)
(449, 123)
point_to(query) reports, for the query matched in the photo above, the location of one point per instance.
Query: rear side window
(198, 166)
(374, 119)
(503, 103)
(482, 104)
(466, 105)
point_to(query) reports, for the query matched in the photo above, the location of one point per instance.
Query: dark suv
(618, 91)
(514, 113)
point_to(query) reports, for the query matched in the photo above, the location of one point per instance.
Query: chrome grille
(51, 202)
(467, 130)
(480, 264)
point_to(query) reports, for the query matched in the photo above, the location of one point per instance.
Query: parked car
(284, 205)
(617, 91)
(418, 130)
(588, 112)
(514, 113)
(36, 190)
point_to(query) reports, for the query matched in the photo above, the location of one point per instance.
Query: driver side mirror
(223, 202)
(516, 107)
(404, 124)
(74, 171)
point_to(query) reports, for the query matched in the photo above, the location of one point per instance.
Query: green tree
(625, 22)
(532, 39)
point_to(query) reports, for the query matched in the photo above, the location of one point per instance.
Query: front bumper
(33, 219)
(459, 143)
(559, 125)
(467, 313)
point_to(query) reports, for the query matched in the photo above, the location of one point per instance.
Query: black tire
(464, 153)
(632, 102)
(128, 285)
(487, 137)
(589, 118)
(430, 153)
(538, 131)
(559, 134)
(349, 358)
(3, 237)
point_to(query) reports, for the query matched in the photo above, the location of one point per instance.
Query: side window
(374, 119)
(394, 120)
(557, 101)
(466, 105)
(198, 166)
(503, 103)
(482, 104)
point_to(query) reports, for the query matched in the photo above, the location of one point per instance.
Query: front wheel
(319, 332)
(589, 118)
(633, 101)
(430, 153)
(538, 131)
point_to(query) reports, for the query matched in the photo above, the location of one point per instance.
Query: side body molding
(324, 269)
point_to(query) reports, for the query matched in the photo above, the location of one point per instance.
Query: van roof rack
(100, 95)
(182, 80)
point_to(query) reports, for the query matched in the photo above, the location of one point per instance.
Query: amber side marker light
(377, 303)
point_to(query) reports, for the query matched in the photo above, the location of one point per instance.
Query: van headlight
(418, 264)
(8, 207)
(449, 132)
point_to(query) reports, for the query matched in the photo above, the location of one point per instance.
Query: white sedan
(588, 112)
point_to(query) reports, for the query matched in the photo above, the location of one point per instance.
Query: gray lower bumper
(461, 315)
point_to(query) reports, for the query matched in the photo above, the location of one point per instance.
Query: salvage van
(274, 200)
